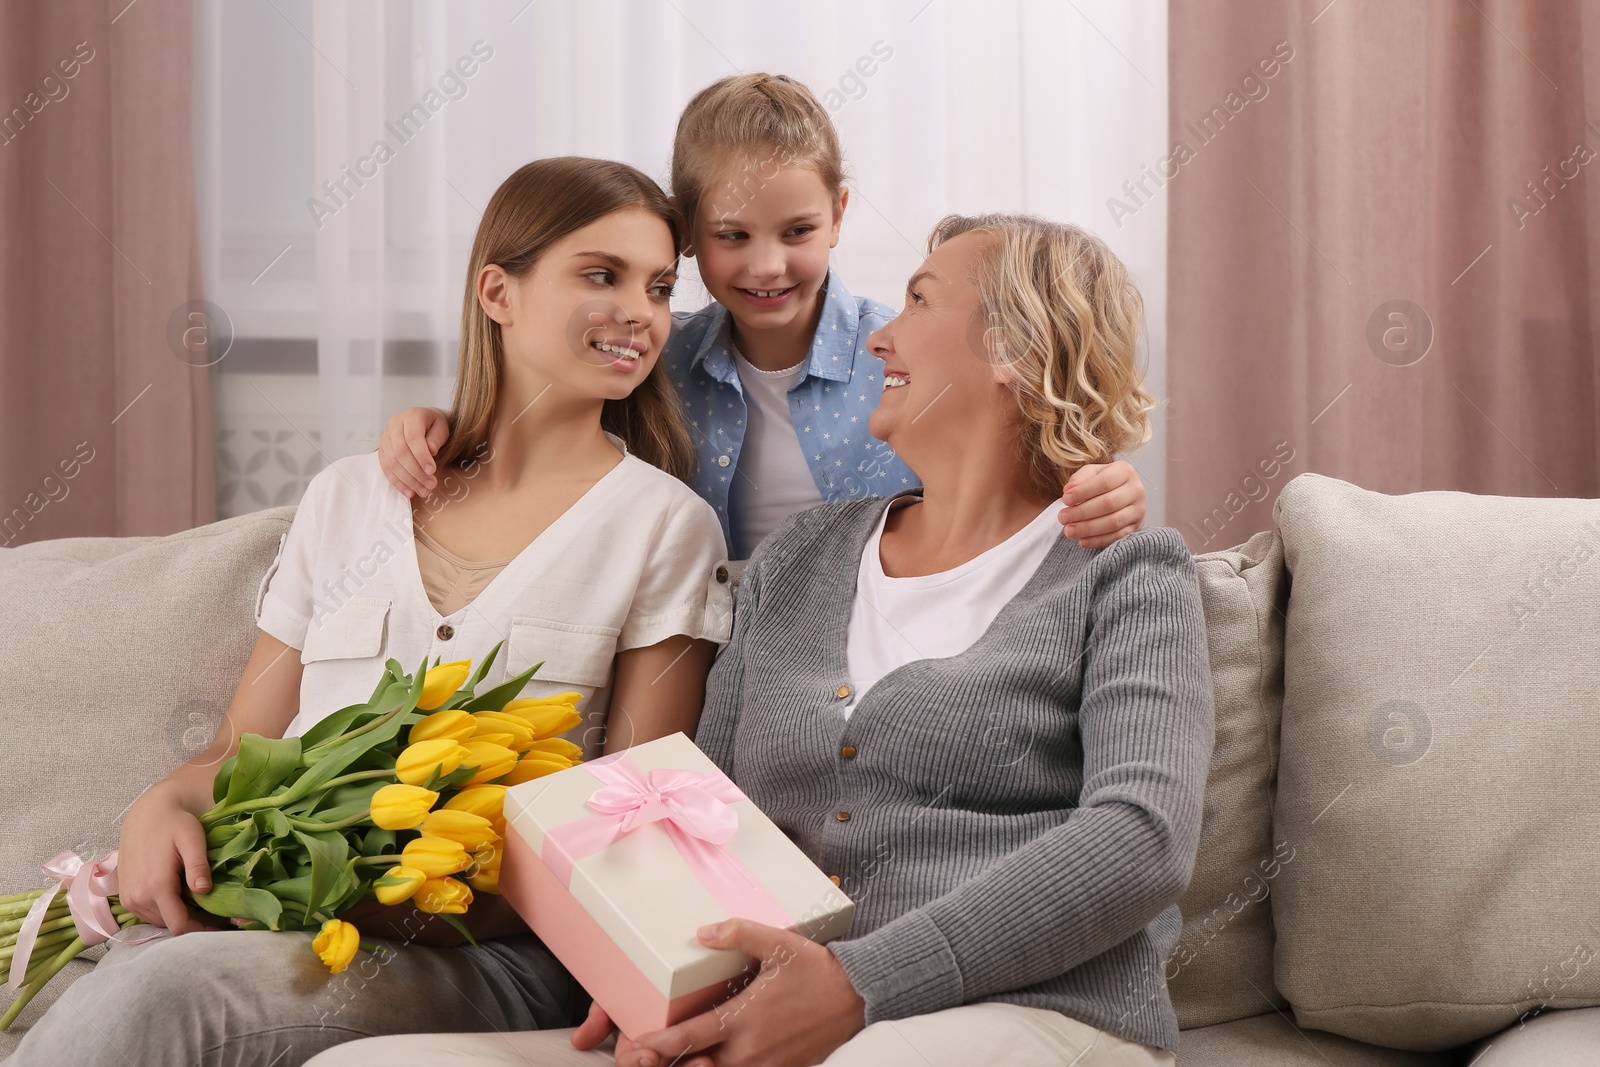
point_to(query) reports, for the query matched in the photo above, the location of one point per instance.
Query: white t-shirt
(895, 621)
(773, 480)
(634, 561)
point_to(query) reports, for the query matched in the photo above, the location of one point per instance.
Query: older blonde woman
(996, 739)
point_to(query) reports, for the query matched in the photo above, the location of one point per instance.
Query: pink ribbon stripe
(693, 810)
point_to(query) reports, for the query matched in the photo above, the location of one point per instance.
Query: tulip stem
(9, 937)
(217, 814)
(12, 923)
(311, 755)
(47, 969)
(391, 860)
(46, 943)
(314, 824)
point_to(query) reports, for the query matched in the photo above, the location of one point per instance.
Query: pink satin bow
(693, 809)
(88, 886)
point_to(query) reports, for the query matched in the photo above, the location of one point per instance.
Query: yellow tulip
(534, 766)
(473, 831)
(556, 746)
(484, 874)
(398, 884)
(455, 724)
(435, 857)
(494, 722)
(336, 944)
(401, 807)
(441, 683)
(486, 800)
(547, 717)
(492, 761)
(505, 740)
(568, 698)
(443, 896)
(416, 762)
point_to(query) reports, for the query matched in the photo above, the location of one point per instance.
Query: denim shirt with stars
(829, 402)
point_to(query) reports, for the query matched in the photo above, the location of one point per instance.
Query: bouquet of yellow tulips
(397, 799)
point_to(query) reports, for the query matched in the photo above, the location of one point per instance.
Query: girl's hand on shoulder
(1103, 503)
(406, 450)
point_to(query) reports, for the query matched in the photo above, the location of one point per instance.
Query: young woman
(775, 373)
(995, 739)
(568, 536)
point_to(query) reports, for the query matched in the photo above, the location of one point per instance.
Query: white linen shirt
(637, 559)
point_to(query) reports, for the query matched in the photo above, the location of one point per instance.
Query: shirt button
(445, 632)
(834, 878)
(842, 692)
(722, 574)
(723, 461)
(848, 752)
(842, 816)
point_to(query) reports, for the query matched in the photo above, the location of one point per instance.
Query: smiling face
(931, 371)
(591, 317)
(762, 240)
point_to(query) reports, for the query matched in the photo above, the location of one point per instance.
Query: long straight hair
(537, 206)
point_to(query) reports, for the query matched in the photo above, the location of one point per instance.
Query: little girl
(775, 373)
(568, 536)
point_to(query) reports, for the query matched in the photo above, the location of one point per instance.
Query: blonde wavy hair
(1058, 307)
(758, 123)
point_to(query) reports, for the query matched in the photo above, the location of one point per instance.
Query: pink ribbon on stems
(693, 810)
(88, 886)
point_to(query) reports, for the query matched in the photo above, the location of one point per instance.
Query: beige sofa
(1401, 855)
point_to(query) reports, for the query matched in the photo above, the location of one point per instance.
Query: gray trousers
(240, 998)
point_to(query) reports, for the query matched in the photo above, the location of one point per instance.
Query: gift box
(616, 863)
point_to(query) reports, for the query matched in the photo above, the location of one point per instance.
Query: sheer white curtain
(345, 150)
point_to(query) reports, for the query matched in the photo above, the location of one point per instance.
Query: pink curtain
(105, 403)
(1384, 251)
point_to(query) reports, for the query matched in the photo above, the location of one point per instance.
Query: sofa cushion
(1271, 1040)
(122, 654)
(1441, 730)
(1222, 966)
(1568, 1038)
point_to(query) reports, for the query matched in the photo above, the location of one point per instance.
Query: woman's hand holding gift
(796, 1011)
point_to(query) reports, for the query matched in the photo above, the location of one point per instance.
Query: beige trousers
(993, 1035)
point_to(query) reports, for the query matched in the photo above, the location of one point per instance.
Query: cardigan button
(842, 692)
(842, 816)
(834, 878)
(848, 752)
(722, 575)
(445, 631)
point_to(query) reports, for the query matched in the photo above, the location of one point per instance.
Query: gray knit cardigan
(1014, 823)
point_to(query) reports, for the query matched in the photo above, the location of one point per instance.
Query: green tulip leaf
(295, 890)
(379, 842)
(219, 785)
(264, 764)
(330, 854)
(455, 921)
(244, 839)
(345, 801)
(248, 866)
(273, 822)
(482, 670)
(502, 694)
(232, 900)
